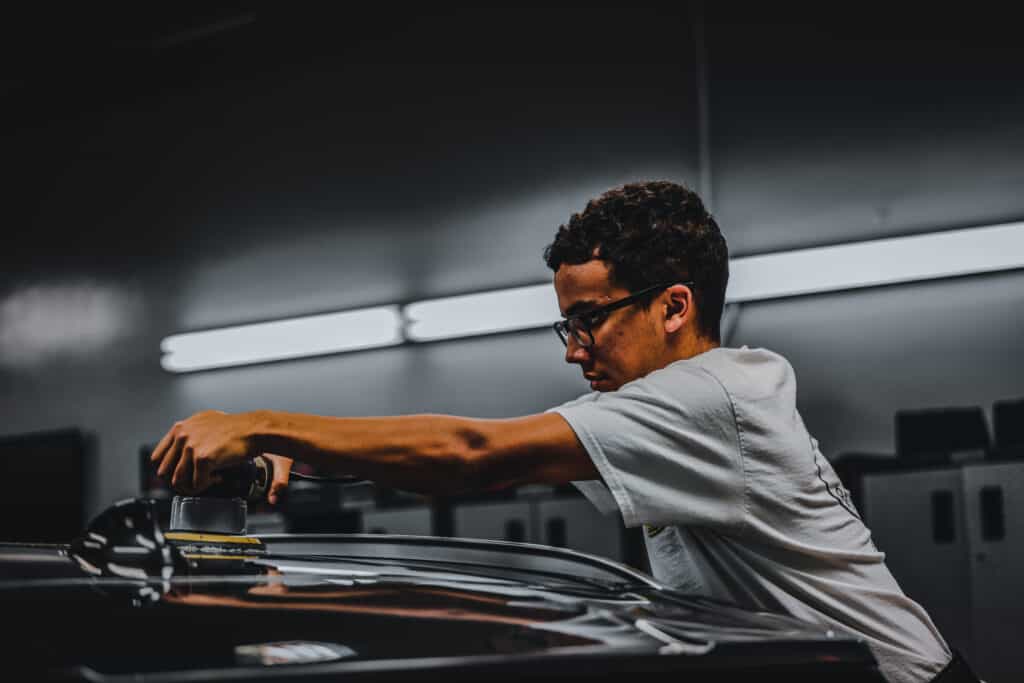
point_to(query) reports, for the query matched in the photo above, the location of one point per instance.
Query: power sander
(223, 508)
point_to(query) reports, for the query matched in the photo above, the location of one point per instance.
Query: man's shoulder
(739, 371)
(572, 403)
(723, 360)
(717, 375)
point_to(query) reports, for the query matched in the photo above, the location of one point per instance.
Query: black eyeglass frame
(584, 323)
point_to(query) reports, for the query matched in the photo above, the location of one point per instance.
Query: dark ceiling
(99, 51)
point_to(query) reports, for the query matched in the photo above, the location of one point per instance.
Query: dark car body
(129, 602)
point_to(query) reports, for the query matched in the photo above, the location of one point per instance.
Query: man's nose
(575, 352)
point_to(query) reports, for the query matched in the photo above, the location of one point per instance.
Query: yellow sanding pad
(227, 539)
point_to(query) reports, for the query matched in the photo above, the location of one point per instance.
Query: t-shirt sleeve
(594, 489)
(667, 447)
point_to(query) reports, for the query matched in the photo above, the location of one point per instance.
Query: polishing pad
(213, 515)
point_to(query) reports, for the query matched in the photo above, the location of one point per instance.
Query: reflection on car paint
(291, 652)
(126, 589)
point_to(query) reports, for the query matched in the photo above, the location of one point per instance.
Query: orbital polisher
(223, 508)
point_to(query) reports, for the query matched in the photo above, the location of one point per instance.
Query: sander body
(223, 508)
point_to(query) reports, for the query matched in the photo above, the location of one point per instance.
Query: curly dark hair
(651, 232)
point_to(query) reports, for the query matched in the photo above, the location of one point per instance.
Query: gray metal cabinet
(571, 523)
(412, 521)
(576, 524)
(496, 521)
(953, 538)
(994, 497)
(917, 520)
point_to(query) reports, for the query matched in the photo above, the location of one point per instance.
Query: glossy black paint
(401, 608)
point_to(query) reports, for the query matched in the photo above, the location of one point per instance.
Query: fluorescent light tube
(313, 335)
(521, 308)
(877, 262)
(752, 278)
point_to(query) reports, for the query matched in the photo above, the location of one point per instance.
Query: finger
(203, 476)
(170, 458)
(277, 487)
(206, 483)
(163, 445)
(282, 470)
(183, 472)
(282, 473)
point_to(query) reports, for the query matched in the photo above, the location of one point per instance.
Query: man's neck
(694, 346)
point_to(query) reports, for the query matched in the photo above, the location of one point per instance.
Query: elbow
(455, 459)
(467, 463)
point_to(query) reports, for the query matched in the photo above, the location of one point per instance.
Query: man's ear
(677, 311)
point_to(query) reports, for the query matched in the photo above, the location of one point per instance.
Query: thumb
(282, 472)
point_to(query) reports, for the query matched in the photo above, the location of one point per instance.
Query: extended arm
(434, 454)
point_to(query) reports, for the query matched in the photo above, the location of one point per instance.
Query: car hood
(210, 603)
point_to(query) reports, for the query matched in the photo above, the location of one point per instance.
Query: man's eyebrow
(580, 307)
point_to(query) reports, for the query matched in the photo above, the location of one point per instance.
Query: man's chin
(603, 384)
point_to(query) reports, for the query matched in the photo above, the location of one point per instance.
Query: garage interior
(189, 169)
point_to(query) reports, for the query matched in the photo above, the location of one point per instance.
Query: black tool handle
(250, 481)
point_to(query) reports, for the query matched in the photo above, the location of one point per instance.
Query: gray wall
(297, 165)
(439, 160)
(836, 127)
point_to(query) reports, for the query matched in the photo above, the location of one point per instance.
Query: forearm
(424, 453)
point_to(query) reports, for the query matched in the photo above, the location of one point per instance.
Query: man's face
(628, 344)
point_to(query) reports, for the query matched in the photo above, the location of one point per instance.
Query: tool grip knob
(249, 481)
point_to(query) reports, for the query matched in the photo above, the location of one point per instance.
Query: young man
(700, 444)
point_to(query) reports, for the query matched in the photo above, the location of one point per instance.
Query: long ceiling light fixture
(877, 262)
(752, 278)
(505, 310)
(312, 335)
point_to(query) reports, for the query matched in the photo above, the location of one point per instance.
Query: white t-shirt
(738, 503)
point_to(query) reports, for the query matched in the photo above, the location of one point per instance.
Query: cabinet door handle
(556, 532)
(992, 527)
(943, 521)
(515, 530)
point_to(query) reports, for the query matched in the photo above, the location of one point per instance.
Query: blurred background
(188, 167)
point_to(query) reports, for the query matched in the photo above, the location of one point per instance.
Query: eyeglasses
(581, 325)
